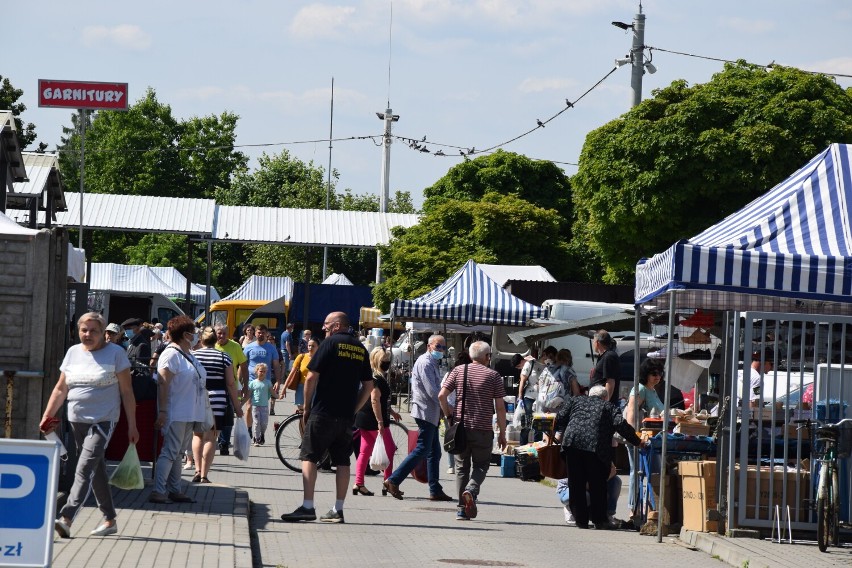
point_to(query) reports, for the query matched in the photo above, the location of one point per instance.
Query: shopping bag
(519, 416)
(379, 460)
(241, 440)
(455, 439)
(419, 472)
(551, 393)
(550, 461)
(128, 474)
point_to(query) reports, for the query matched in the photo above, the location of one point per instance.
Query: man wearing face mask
(426, 411)
(139, 353)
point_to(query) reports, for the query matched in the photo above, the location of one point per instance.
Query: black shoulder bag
(455, 439)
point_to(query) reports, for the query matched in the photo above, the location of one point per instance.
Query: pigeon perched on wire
(540, 123)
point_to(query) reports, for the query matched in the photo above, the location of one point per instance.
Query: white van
(580, 345)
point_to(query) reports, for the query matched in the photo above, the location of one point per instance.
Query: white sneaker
(569, 518)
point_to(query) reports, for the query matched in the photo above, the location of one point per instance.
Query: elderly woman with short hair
(95, 380)
(585, 425)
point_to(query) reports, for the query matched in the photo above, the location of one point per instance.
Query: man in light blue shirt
(426, 411)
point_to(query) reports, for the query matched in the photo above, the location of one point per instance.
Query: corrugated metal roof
(307, 226)
(39, 168)
(315, 227)
(140, 213)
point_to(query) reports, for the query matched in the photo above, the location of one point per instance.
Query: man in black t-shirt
(607, 370)
(340, 366)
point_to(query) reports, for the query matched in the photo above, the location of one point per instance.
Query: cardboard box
(671, 516)
(692, 429)
(698, 487)
(767, 501)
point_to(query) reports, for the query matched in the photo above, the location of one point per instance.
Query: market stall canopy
(267, 288)
(469, 296)
(789, 250)
(338, 280)
(128, 278)
(172, 276)
(9, 227)
(502, 273)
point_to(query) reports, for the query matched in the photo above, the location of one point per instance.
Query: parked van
(119, 306)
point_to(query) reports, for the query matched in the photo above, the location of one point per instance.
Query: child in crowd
(261, 392)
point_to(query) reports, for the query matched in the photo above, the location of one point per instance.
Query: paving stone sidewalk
(236, 523)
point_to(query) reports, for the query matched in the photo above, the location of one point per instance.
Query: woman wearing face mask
(182, 407)
(373, 419)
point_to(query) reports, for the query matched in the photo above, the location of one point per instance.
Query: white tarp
(10, 227)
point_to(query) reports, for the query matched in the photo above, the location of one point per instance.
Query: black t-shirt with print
(342, 364)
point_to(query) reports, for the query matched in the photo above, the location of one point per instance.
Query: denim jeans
(429, 448)
(613, 491)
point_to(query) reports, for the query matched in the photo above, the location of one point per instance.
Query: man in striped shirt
(482, 397)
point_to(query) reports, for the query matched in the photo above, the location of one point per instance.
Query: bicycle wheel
(288, 442)
(399, 433)
(822, 524)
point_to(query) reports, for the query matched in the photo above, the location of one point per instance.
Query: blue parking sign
(29, 472)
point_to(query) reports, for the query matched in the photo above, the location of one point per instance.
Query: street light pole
(637, 56)
(384, 191)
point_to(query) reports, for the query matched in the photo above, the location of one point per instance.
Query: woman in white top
(182, 408)
(95, 380)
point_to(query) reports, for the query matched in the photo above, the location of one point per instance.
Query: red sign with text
(82, 94)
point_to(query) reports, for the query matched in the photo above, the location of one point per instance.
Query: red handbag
(419, 471)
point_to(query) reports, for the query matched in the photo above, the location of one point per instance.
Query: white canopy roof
(502, 273)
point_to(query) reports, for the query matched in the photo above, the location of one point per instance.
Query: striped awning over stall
(469, 296)
(793, 242)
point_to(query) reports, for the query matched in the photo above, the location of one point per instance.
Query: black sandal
(197, 478)
(204, 480)
(361, 490)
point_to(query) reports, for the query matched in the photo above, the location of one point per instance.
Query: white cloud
(842, 65)
(538, 84)
(318, 21)
(126, 36)
(745, 26)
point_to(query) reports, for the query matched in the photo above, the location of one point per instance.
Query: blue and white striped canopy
(793, 242)
(470, 297)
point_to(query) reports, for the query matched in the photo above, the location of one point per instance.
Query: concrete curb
(242, 536)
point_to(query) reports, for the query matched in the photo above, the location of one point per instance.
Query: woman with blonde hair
(374, 419)
(95, 380)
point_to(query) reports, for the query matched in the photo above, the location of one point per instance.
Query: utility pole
(384, 191)
(636, 57)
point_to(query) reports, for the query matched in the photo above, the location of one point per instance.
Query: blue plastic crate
(507, 466)
(832, 412)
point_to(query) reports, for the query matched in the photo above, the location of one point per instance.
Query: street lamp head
(622, 25)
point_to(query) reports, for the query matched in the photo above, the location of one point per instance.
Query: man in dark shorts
(335, 373)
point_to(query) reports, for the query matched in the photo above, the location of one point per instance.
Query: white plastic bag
(379, 460)
(519, 415)
(241, 440)
(551, 393)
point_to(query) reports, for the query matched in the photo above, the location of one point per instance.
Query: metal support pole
(328, 180)
(384, 190)
(188, 308)
(637, 355)
(82, 171)
(209, 270)
(661, 502)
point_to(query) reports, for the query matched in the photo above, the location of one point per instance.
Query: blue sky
(470, 73)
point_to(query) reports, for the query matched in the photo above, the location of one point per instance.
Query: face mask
(128, 333)
(384, 365)
(194, 340)
(437, 355)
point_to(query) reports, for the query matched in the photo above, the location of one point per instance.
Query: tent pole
(637, 324)
(209, 270)
(661, 505)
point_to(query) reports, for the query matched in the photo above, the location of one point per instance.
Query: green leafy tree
(147, 151)
(497, 229)
(686, 158)
(9, 96)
